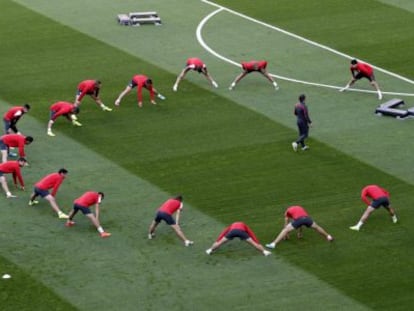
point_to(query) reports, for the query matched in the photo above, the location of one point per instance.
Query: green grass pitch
(227, 152)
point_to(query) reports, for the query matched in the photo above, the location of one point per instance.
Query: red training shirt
(171, 206)
(14, 113)
(15, 140)
(12, 167)
(238, 226)
(296, 212)
(86, 87)
(88, 199)
(140, 80)
(61, 108)
(195, 63)
(254, 65)
(363, 68)
(374, 192)
(50, 181)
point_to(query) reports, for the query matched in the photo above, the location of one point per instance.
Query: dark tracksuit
(303, 122)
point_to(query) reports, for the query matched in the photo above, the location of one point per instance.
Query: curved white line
(211, 51)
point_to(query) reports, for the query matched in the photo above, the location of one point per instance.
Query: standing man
(303, 121)
(254, 66)
(83, 204)
(14, 141)
(165, 212)
(299, 218)
(238, 230)
(68, 110)
(195, 64)
(140, 81)
(12, 167)
(91, 88)
(380, 197)
(51, 181)
(12, 116)
(362, 70)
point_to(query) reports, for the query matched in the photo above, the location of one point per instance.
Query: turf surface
(230, 162)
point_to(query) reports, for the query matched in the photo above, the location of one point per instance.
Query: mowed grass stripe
(385, 27)
(61, 258)
(345, 121)
(152, 137)
(24, 292)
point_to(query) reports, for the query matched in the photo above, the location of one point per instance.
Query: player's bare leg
(258, 246)
(237, 79)
(98, 226)
(321, 231)
(269, 77)
(216, 245)
(6, 187)
(181, 235)
(126, 91)
(363, 219)
(285, 232)
(151, 229)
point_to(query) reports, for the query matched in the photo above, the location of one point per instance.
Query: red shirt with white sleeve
(14, 113)
(195, 64)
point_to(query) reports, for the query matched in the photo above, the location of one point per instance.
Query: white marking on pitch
(210, 50)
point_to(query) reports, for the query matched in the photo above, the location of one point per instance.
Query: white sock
(100, 230)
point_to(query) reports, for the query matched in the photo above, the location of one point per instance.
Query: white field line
(210, 50)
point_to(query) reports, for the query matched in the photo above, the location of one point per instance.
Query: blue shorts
(132, 84)
(382, 201)
(51, 115)
(360, 75)
(42, 193)
(7, 125)
(3, 146)
(79, 92)
(302, 221)
(164, 216)
(85, 210)
(237, 233)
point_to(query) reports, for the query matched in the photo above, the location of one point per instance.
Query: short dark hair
(178, 197)
(29, 139)
(102, 195)
(302, 98)
(354, 62)
(75, 109)
(63, 171)
(27, 106)
(21, 160)
(148, 81)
